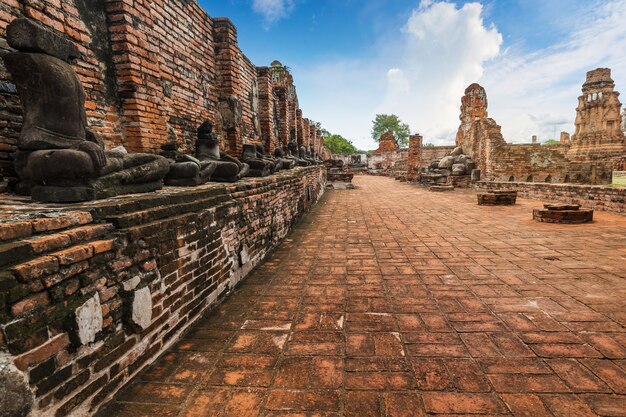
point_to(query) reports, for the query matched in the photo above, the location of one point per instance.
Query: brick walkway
(393, 301)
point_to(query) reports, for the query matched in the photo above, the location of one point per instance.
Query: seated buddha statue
(227, 168)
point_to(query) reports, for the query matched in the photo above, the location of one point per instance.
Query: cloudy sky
(353, 59)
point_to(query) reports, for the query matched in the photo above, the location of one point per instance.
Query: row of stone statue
(209, 164)
(59, 160)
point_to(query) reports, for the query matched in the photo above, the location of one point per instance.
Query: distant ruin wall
(153, 71)
(91, 295)
(596, 197)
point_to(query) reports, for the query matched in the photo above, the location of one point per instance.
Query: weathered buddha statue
(259, 167)
(260, 153)
(287, 163)
(58, 159)
(294, 153)
(227, 168)
(304, 154)
(185, 170)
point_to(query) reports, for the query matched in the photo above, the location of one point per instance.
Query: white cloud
(421, 72)
(272, 10)
(444, 51)
(536, 93)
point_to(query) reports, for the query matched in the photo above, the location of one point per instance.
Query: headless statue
(185, 170)
(304, 154)
(58, 160)
(294, 154)
(259, 167)
(227, 168)
(286, 162)
(277, 163)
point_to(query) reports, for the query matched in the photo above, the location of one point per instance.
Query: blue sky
(353, 59)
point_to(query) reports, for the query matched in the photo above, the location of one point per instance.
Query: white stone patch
(277, 328)
(378, 314)
(244, 255)
(142, 308)
(339, 324)
(280, 341)
(89, 320)
(532, 304)
(132, 283)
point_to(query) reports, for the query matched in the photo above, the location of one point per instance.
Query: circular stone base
(576, 216)
(497, 198)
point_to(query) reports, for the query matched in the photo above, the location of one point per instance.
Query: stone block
(16, 398)
(141, 314)
(89, 320)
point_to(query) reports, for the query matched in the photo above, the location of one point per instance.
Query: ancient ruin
(162, 251)
(563, 214)
(497, 198)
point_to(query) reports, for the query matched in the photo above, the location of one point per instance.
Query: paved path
(390, 300)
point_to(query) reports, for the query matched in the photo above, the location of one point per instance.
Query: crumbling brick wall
(597, 197)
(138, 270)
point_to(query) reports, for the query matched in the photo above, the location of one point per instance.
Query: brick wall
(596, 197)
(183, 249)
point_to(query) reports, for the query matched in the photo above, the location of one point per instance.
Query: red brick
(292, 400)
(520, 383)
(576, 376)
(362, 404)
(395, 381)
(403, 405)
(525, 405)
(459, 403)
(102, 246)
(74, 255)
(43, 352)
(34, 269)
(567, 406)
(613, 376)
(29, 303)
(10, 231)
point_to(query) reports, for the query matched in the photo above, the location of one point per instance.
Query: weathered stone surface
(497, 198)
(16, 398)
(89, 320)
(387, 143)
(27, 35)
(447, 162)
(142, 308)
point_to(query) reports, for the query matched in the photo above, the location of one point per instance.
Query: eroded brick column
(415, 157)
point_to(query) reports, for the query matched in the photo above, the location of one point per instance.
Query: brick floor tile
(380, 380)
(402, 405)
(567, 406)
(525, 405)
(606, 405)
(611, 374)
(518, 383)
(362, 404)
(576, 376)
(302, 400)
(432, 374)
(462, 403)
(152, 392)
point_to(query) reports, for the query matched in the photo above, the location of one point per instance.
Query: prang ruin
(176, 239)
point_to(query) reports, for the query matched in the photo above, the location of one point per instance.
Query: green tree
(551, 142)
(340, 145)
(390, 122)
